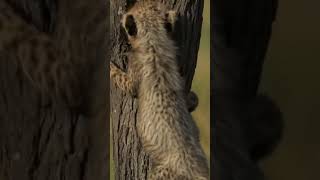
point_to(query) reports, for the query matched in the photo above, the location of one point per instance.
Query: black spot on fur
(168, 27)
(131, 26)
(167, 24)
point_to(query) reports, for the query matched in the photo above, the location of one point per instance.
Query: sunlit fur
(165, 127)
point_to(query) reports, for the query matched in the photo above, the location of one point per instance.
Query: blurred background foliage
(200, 85)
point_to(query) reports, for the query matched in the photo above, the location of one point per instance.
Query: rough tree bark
(130, 160)
(52, 142)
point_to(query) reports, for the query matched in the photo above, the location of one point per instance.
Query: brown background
(291, 76)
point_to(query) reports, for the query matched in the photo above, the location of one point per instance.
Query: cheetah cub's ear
(170, 20)
(130, 25)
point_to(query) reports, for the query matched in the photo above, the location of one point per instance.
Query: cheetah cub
(165, 127)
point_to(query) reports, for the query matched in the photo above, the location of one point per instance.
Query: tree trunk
(131, 162)
(239, 39)
(51, 141)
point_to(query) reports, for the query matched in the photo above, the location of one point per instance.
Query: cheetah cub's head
(148, 20)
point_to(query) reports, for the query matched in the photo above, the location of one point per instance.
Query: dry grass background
(200, 85)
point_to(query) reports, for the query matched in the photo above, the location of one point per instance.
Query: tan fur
(165, 127)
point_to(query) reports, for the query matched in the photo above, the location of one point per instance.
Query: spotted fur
(165, 127)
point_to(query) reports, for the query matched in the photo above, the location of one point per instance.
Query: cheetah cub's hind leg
(162, 173)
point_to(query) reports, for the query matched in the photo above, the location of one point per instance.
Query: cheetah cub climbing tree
(165, 127)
